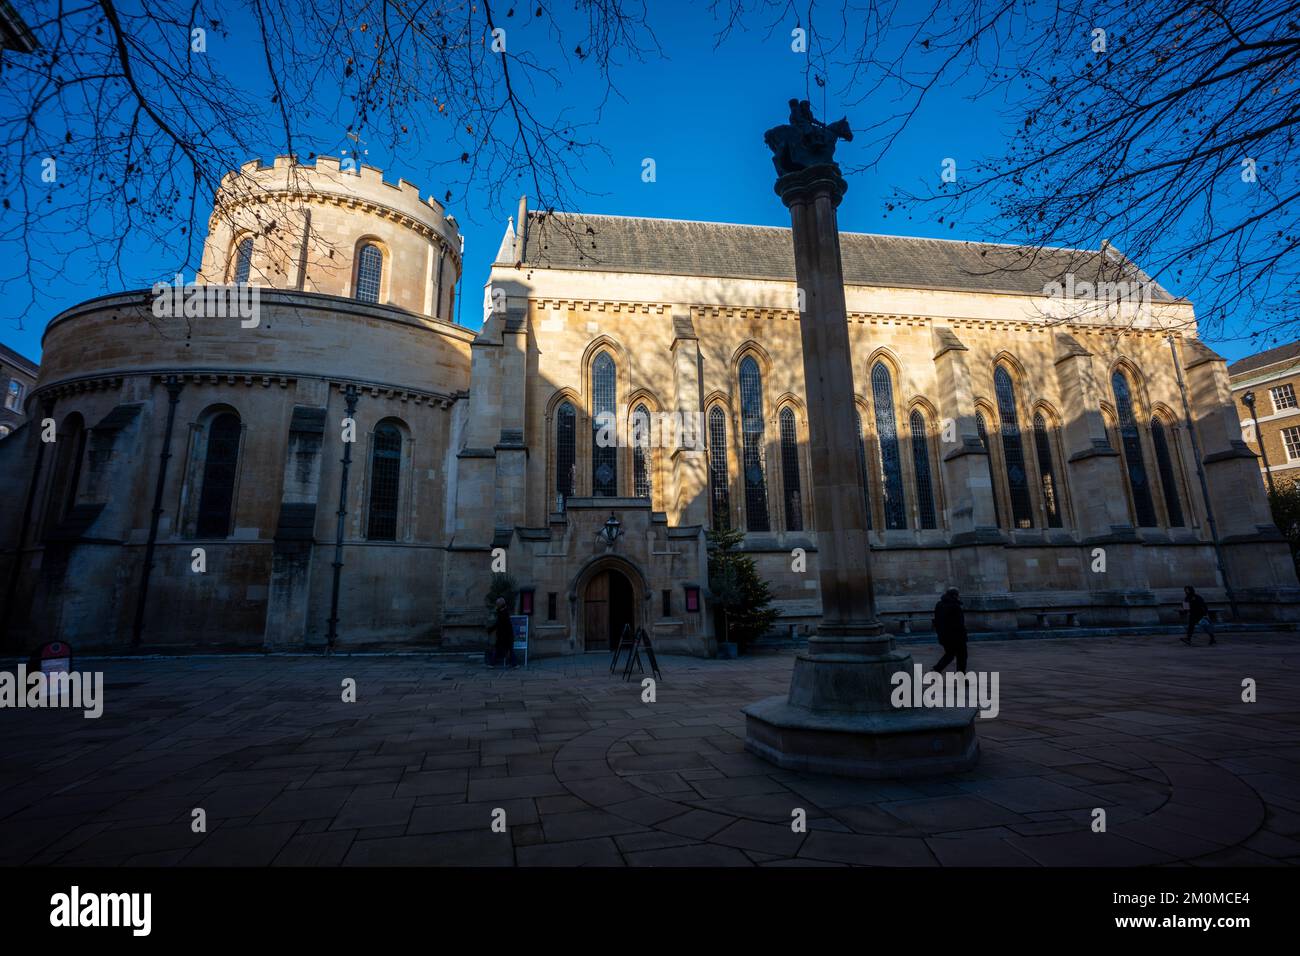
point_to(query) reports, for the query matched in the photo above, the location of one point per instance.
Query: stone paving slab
(575, 770)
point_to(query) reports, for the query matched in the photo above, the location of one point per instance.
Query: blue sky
(700, 113)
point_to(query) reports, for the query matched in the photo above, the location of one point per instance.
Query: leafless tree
(1169, 134)
(120, 126)
(1165, 130)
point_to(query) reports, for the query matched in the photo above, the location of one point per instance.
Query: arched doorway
(608, 603)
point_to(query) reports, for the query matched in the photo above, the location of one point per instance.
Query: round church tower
(334, 230)
(193, 490)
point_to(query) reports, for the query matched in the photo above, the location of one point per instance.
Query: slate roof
(678, 247)
(18, 359)
(1282, 353)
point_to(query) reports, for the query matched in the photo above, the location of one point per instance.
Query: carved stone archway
(595, 567)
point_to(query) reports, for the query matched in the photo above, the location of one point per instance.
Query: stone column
(511, 449)
(839, 511)
(966, 465)
(295, 532)
(1091, 461)
(1231, 468)
(689, 467)
(839, 717)
(1255, 558)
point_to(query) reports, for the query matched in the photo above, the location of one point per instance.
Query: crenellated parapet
(333, 228)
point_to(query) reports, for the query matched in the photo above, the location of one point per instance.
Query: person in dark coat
(504, 649)
(950, 625)
(1197, 613)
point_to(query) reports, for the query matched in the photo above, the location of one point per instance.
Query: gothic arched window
(983, 431)
(790, 471)
(862, 466)
(604, 427)
(751, 436)
(220, 464)
(1131, 442)
(243, 260)
(370, 270)
(566, 456)
(718, 493)
(1168, 479)
(891, 469)
(1047, 471)
(921, 465)
(642, 456)
(1013, 453)
(385, 478)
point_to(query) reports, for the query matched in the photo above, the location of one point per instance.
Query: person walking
(504, 649)
(1197, 613)
(950, 625)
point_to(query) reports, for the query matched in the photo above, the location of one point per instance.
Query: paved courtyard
(287, 773)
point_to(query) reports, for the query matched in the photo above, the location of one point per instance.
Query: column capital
(811, 183)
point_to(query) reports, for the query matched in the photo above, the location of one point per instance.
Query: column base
(900, 743)
(838, 718)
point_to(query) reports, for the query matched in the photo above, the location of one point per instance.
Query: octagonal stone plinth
(838, 718)
(879, 745)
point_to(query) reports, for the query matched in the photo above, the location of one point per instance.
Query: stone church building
(342, 464)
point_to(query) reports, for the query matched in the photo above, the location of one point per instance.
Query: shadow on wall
(1004, 479)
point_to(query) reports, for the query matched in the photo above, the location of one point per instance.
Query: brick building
(1271, 381)
(17, 376)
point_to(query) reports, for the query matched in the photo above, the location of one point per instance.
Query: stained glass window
(790, 471)
(891, 470)
(604, 431)
(243, 260)
(216, 499)
(921, 465)
(1168, 481)
(566, 443)
(641, 453)
(1047, 472)
(370, 268)
(385, 475)
(751, 434)
(1131, 442)
(1013, 453)
(718, 492)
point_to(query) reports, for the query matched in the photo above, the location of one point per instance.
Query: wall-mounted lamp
(611, 532)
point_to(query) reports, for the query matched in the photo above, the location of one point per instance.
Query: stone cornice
(249, 378)
(286, 299)
(746, 312)
(543, 304)
(413, 395)
(547, 303)
(224, 206)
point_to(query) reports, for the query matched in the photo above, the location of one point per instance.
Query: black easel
(642, 640)
(624, 640)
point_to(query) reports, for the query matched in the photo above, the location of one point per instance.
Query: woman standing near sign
(504, 635)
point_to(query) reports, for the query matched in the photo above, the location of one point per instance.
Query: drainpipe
(174, 386)
(11, 589)
(351, 395)
(1205, 488)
